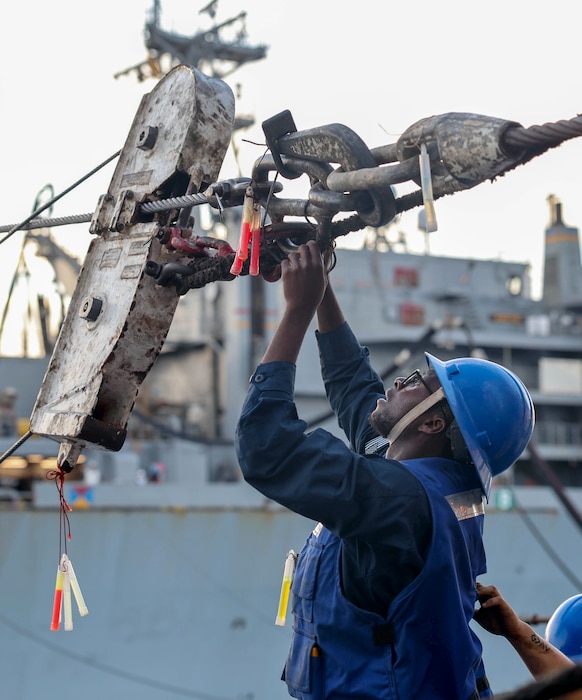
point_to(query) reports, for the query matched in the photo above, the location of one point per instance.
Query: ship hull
(182, 602)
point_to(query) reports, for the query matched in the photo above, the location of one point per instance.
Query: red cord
(58, 475)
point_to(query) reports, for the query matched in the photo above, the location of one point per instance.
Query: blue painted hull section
(183, 603)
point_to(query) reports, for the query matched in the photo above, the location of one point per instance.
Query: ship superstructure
(169, 512)
(181, 561)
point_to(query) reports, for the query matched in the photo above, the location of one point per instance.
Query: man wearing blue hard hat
(385, 586)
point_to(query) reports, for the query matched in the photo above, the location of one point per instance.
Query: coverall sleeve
(314, 474)
(351, 384)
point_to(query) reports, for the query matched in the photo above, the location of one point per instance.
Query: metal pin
(427, 195)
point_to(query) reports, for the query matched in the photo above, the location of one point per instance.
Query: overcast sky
(376, 67)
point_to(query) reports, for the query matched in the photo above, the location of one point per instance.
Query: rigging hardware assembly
(145, 254)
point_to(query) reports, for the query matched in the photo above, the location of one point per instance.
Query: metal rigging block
(118, 317)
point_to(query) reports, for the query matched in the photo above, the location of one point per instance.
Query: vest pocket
(303, 670)
(305, 578)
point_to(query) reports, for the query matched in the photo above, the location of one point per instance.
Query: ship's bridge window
(514, 285)
(405, 277)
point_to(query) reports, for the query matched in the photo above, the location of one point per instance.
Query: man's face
(401, 398)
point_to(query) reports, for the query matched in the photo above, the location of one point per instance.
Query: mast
(562, 284)
(209, 50)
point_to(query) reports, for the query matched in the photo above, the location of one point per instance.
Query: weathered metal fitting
(91, 308)
(337, 143)
(114, 213)
(231, 192)
(147, 138)
(274, 128)
(68, 455)
(87, 397)
(335, 202)
(164, 235)
(471, 147)
(123, 211)
(168, 275)
(97, 225)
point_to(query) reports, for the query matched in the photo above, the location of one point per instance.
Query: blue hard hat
(493, 409)
(564, 628)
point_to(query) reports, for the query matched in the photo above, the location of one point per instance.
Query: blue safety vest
(424, 648)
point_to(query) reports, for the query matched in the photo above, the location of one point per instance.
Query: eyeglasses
(414, 379)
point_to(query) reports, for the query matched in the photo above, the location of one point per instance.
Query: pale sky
(376, 67)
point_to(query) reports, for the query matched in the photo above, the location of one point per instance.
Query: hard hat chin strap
(415, 413)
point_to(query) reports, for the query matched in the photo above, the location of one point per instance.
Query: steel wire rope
(535, 139)
(16, 445)
(48, 222)
(174, 203)
(538, 138)
(159, 425)
(147, 207)
(50, 202)
(549, 134)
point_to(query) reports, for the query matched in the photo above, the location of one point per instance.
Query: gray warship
(180, 562)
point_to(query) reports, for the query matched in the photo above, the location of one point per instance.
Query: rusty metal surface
(118, 318)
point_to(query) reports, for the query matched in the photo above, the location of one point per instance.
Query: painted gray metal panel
(182, 604)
